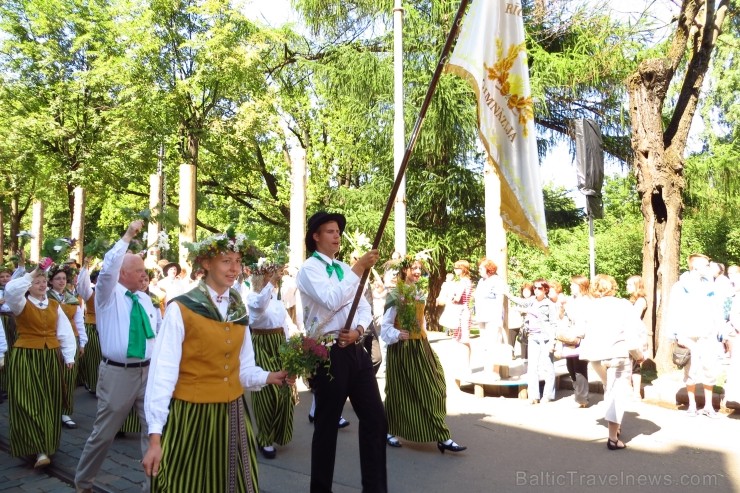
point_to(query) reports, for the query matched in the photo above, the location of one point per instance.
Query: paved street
(512, 446)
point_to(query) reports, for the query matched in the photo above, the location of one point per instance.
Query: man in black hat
(172, 285)
(327, 289)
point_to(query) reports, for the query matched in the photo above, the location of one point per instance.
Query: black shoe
(343, 423)
(268, 454)
(392, 441)
(615, 444)
(310, 419)
(452, 447)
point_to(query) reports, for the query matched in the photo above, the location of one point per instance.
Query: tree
(53, 91)
(660, 129)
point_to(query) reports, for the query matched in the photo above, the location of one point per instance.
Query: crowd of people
(169, 355)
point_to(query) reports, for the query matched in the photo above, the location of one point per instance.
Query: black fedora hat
(315, 221)
(169, 266)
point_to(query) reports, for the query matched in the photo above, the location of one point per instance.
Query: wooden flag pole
(409, 149)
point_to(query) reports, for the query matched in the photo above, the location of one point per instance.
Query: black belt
(138, 364)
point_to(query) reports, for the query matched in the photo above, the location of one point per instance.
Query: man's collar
(326, 258)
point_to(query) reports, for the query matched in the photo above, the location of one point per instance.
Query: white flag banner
(491, 55)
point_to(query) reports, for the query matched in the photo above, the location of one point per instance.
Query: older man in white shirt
(127, 324)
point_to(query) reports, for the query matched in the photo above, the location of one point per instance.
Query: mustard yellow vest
(90, 310)
(36, 327)
(209, 367)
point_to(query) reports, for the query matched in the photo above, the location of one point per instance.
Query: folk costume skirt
(415, 392)
(90, 362)
(272, 405)
(207, 448)
(9, 326)
(132, 423)
(35, 399)
(69, 383)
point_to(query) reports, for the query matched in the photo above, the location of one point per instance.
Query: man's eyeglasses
(539, 287)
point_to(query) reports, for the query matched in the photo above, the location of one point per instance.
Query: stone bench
(510, 383)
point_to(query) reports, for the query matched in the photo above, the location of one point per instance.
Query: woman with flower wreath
(34, 368)
(72, 307)
(415, 402)
(200, 434)
(269, 325)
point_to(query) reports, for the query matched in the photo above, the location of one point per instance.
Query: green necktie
(331, 267)
(139, 329)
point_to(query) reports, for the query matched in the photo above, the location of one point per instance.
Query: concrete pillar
(153, 229)
(297, 206)
(78, 224)
(37, 229)
(188, 208)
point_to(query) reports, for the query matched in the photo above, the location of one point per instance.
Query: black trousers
(576, 365)
(352, 376)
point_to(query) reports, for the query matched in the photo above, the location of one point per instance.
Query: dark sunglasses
(539, 287)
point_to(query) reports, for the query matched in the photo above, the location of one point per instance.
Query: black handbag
(681, 355)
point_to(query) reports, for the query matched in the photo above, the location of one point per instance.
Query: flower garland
(224, 242)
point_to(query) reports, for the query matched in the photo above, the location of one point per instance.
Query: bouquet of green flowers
(408, 297)
(302, 355)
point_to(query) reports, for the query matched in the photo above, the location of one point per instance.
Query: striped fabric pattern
(35, 399)
(195, 449)
(416, 393)
(9, 326)
(90, 361)
(69, 383)
(273, 405)
(132, 423)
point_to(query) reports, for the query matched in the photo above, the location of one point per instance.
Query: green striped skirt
(415, 392)
(10, 336)
(90, 361)
(35, 399)
(204, 448)
(132, 423)
(69, 383)
(273, 405)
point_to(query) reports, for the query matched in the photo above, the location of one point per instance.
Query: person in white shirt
(611, 334)
(172, 285)
(202, 362)
(270, 326)
(694, 318)
(489, 313)
(34, 369)
(126, 322)
(327, 288)
(59, 276)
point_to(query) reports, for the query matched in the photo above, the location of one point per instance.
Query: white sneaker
(42, 460)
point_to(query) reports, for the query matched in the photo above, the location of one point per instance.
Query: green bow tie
(331, 267)
(139, 329)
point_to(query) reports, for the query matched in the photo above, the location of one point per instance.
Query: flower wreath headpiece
(68, 269)
(408, 260)
(228, 241)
